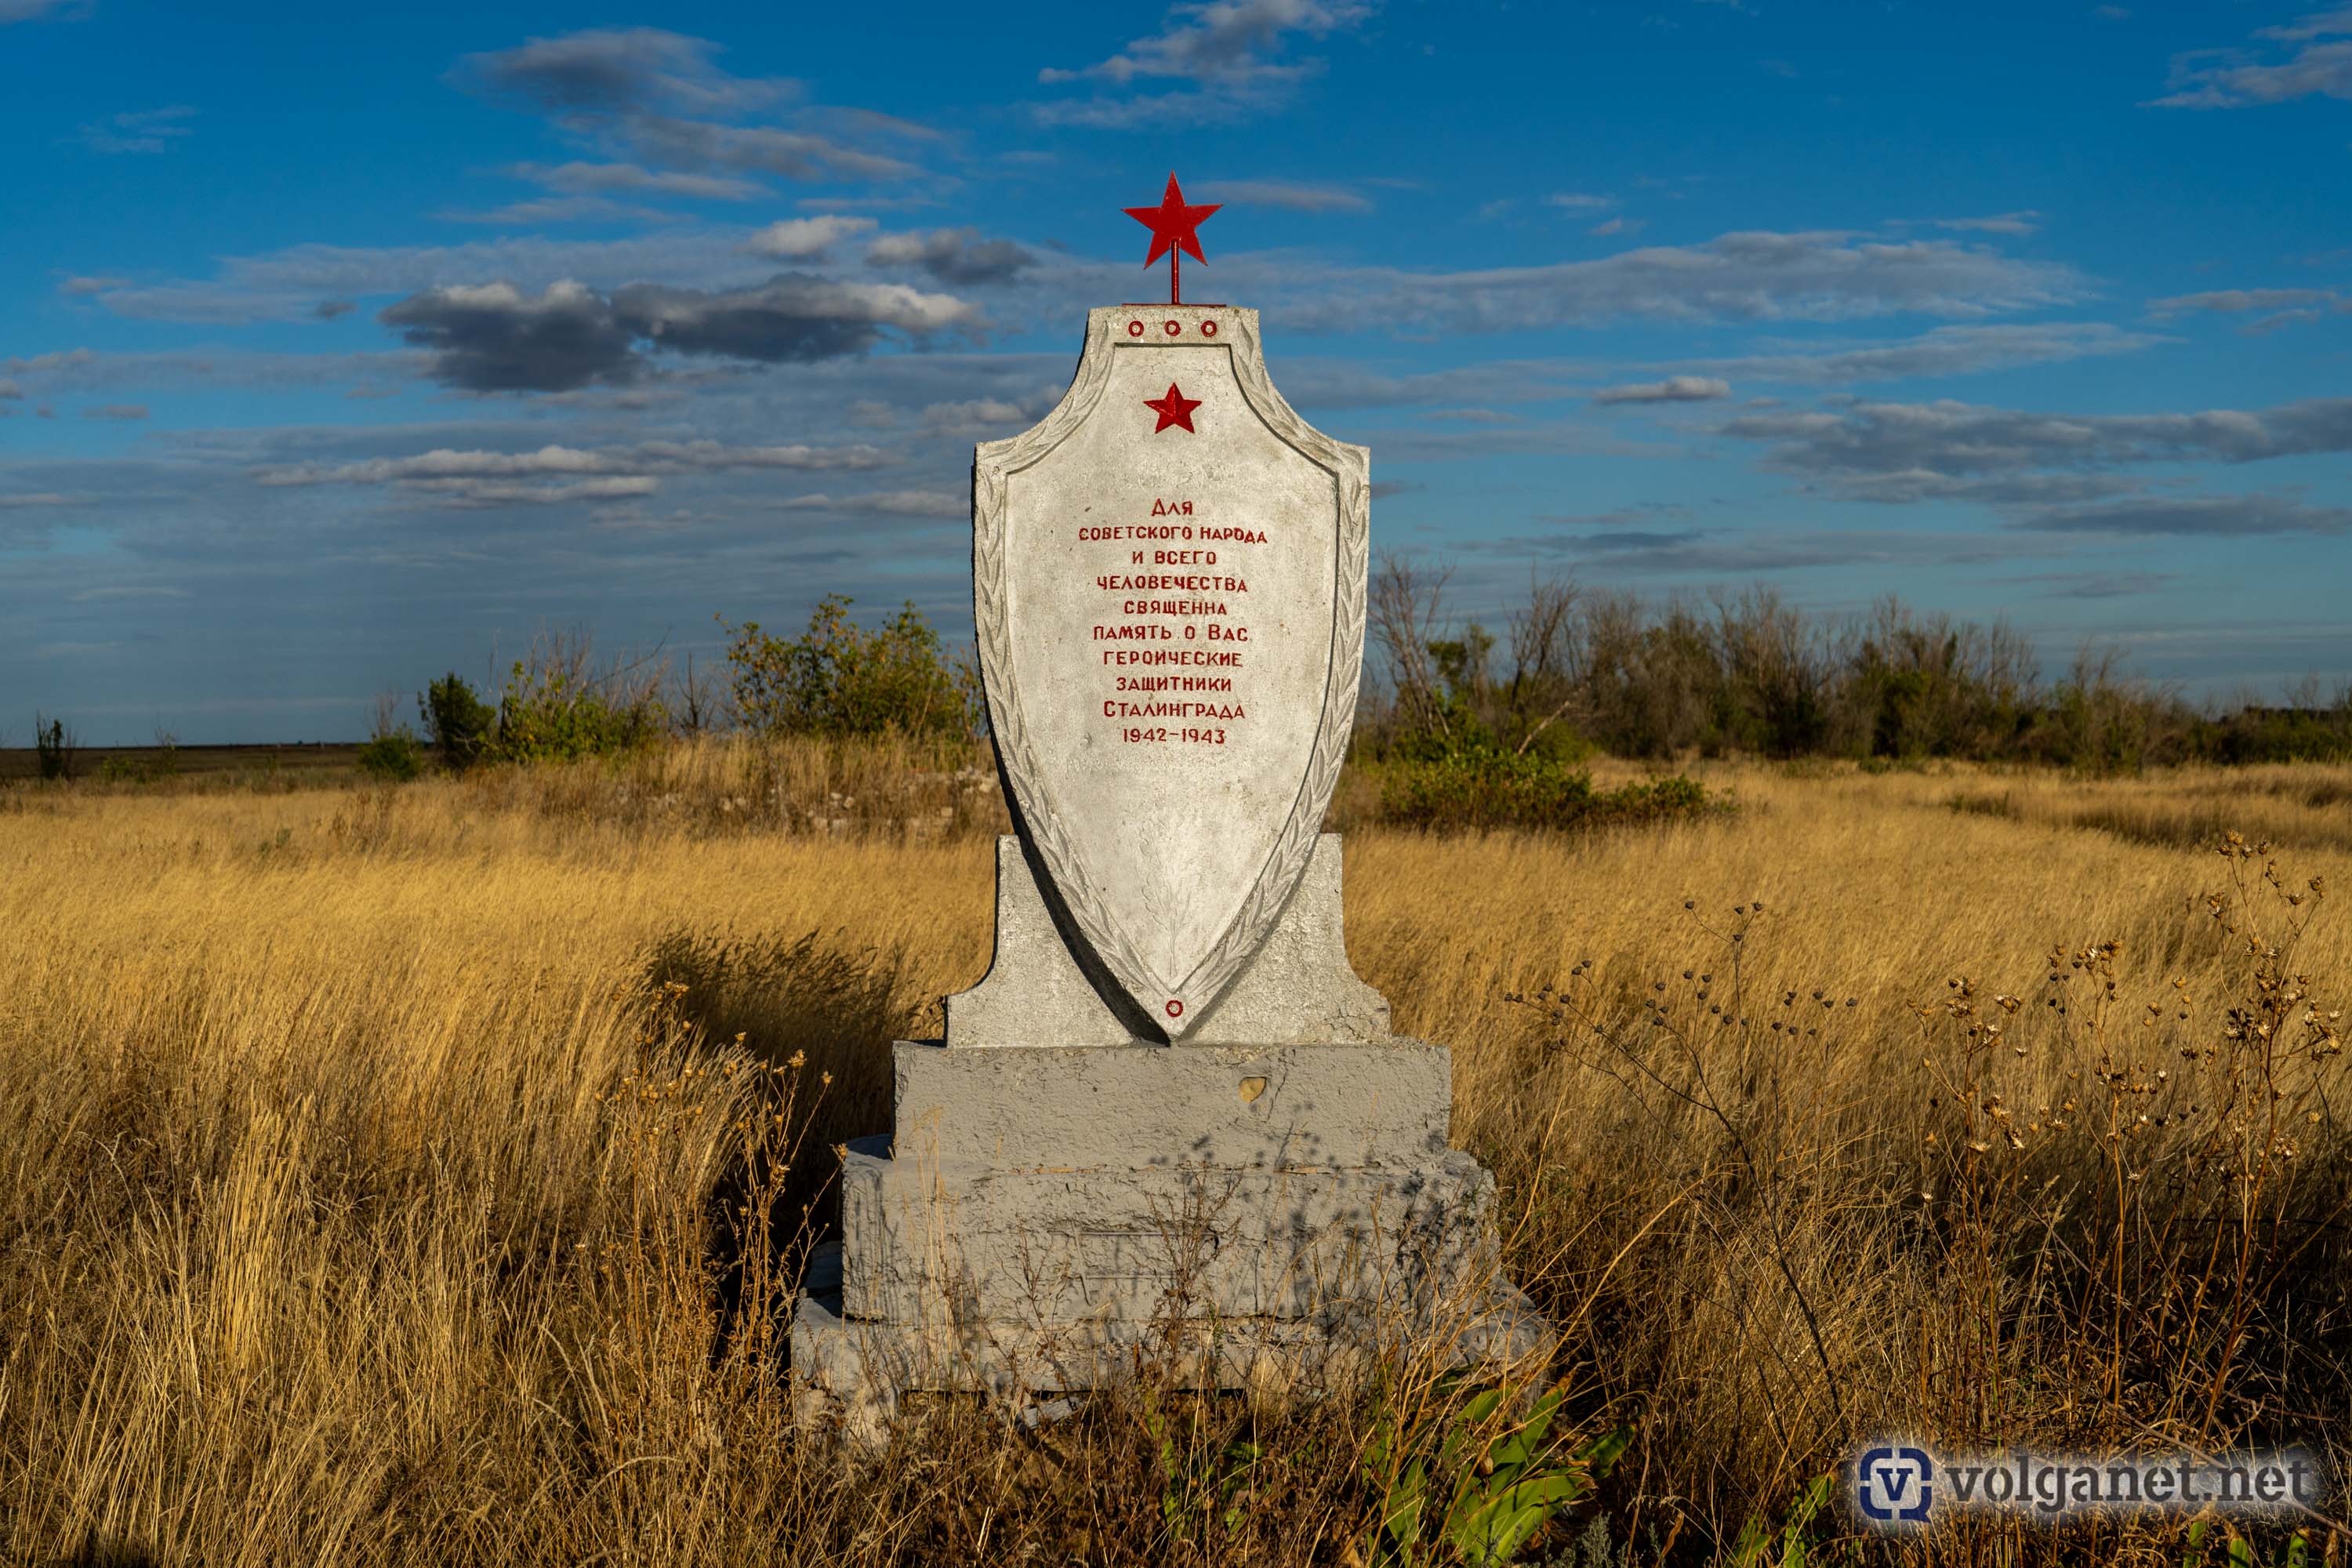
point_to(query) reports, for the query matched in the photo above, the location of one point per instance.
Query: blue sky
(338, 350)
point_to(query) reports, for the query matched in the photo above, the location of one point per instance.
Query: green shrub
(394, 758)
(1480, 788)
(557, 709)
(462, 725)
(838, 678)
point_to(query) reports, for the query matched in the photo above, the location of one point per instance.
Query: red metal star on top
(1173, 223)
(1174, 409)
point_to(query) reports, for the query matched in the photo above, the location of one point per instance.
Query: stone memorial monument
(1170, 1120)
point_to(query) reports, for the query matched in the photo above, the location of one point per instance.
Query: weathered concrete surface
(927, 1243)
(1139, 1108)
(1171, 617)
(858, 1368)
(1297, 988)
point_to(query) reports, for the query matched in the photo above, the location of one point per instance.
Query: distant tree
(55, 745)
(461, 725)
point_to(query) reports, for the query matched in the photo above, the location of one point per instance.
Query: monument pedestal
(1046, 1217)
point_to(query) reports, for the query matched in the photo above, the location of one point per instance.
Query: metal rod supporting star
(1172, 224)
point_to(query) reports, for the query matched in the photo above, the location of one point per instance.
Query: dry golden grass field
(364, 1197)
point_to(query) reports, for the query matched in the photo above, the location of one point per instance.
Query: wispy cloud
(2319, 62)
(578, 178)
(1287, 196)
(2207, 517)
(1947, 450)
(806, 239)
(1813, 276)
(2293, 304)
(2024, 222)
(953, 256)
(1938, 352)
(1230, 54)
(689, 127)
(1673, 389)
(144, 130)
(891, 503)
(495, 338)
(556, 474)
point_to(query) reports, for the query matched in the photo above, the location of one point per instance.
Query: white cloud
(2238, 78)
(619, 70)
(2236, 301)
(805, 239)
(952, 255)
(2026, 221)
(144, 130)
(561, 209)
(1941, 351)
(587, 179)
(1287, 196)
(894, 503)
(1227, 49)
(1898, 452)
(640, 459)
(112, 595)
(1673, 389)
(1812, 277)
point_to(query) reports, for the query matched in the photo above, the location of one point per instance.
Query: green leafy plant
(2237, 1551)
(1469, 1480)
(1200, 1481)
(1760, 1545)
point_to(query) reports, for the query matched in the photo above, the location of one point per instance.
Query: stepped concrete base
(854, 1372)
(1047, 1219)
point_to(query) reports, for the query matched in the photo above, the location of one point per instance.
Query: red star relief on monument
(1172, 224)
(1174, 409)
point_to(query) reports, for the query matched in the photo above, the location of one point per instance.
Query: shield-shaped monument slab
(1169, 578)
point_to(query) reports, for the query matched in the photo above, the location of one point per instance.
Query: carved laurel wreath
(993, 465)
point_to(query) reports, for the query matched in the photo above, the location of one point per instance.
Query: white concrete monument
(1171, 1113)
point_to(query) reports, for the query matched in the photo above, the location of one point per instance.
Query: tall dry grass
(369, 1199)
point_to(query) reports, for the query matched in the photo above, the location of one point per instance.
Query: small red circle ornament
(1208, 329)
(1175, 1008)
(1173, 329)
(1135, 329)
